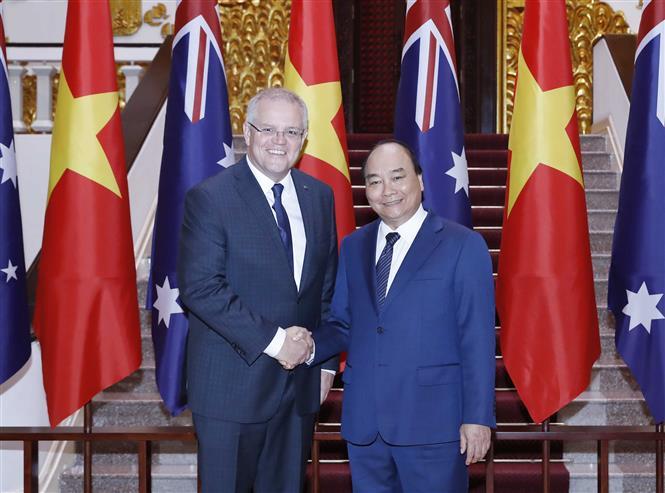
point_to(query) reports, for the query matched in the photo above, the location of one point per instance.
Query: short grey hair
(277, 94)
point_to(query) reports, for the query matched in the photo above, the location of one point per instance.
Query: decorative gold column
(587, 21)
(255, 36)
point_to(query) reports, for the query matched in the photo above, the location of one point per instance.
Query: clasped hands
(297, 347)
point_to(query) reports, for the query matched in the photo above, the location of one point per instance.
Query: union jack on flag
(637, 274)
(197, 144)
(427, 115)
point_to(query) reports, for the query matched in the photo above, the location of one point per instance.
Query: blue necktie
(283, 222)
(383, 269)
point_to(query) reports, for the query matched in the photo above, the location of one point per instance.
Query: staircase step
(487, 158)
(597, 160)
(134, 409)
(630, 453)
(593, 142)
(601, 179)
(519, 477)
(628, 477)
(489, 215)
(364, 215)
(607, 407)
(601, 291)
(601, 264)
(142, 381)
(123, 478)
(487, 195)
(600, 219)
(601, 241)
(602, 199)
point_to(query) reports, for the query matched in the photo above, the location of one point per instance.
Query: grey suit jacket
(236, 282)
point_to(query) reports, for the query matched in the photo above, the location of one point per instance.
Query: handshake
(297, 348)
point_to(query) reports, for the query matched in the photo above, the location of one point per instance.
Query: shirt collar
(266, 183)
(409, 229)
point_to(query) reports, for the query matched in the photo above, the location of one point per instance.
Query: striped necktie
(383, 269)
(283, 222)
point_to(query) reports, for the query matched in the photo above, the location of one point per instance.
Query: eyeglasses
(290, 133)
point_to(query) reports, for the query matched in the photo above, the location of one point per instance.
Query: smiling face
(393, 188)
(274, 154)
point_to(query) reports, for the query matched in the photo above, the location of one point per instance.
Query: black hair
(412, 157)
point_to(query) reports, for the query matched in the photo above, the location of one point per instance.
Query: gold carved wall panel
(587, 21)
(255, 36)
(127, 16)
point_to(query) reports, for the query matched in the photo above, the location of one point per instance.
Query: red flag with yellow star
(86, 313)
(545, 291)
(312, 72)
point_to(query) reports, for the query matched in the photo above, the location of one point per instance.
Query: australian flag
(427, 115)
(637, 272)
(197, 144)
(14, 319)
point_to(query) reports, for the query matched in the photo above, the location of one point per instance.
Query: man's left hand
(475, 441)
(326, 383)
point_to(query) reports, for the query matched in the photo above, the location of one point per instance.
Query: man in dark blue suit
(258, 255)
(414, 309)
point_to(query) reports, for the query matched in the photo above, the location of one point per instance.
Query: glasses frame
(272, 132)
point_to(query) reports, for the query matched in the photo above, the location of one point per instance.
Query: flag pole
(659, 459)
(87, 448)
(546, 458)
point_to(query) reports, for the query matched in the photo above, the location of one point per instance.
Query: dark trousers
(260, 457)
(383, 468)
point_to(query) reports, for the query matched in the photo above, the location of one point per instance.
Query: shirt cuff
(276, 344)
(332, 372)
(310, 360)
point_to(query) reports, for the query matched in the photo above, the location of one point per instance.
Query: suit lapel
(251, 193)
(422, 247)
(306, 202)
(368, 260)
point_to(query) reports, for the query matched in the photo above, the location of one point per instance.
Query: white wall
(631, 12)
(43, 21)
(32, 161)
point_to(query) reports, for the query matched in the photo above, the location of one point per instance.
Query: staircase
(612, 397)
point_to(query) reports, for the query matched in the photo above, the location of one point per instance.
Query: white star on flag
(229, 156)
(10, 270)
(641, 308)
(166, 302)
(459, 172)
(8, 163)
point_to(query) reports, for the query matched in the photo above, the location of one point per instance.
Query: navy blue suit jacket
(424, 365)
(236, 282)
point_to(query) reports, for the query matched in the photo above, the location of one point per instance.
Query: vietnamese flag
(86, 313)
(312, 72)
(545, 291)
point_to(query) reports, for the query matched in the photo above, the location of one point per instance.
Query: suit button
(379, 330)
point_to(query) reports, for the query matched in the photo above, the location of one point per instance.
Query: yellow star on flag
(323, 102)
(75, 145)
(538, 131)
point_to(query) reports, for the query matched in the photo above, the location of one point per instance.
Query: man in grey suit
(258, 255)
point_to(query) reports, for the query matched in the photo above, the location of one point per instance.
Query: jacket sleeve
(331, 363)
(332, 337)
(204, 288)
(474, 301)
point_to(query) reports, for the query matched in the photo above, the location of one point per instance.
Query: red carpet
(514, 473)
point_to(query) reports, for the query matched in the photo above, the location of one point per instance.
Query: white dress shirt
(298, 238)
(407, 233)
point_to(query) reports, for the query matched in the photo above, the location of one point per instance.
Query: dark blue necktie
(383, 269)
(283, 222)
